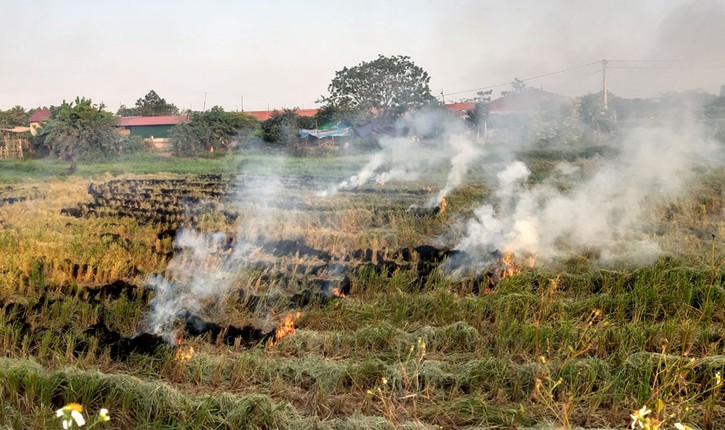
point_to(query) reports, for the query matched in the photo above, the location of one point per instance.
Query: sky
(284, 53)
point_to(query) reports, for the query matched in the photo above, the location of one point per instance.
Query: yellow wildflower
(103, 415)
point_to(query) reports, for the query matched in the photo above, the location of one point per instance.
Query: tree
(212, 130)
(81, 129)
(16, 116)
(185, 141)
(283, 126)
(479, 114)
(150, 105)
(386, 87)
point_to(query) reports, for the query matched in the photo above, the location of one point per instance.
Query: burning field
(378, 298)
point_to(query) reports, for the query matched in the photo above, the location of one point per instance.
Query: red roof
(461, 106)
(40, 115)
(138, 121)
(264, 115)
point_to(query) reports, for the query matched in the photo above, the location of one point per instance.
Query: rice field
(295, 310)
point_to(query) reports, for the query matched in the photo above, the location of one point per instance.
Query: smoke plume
(424, 142)
(607, 212)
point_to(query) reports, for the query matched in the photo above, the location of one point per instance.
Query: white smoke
(412, 155)
(606, 212)
(206, 265)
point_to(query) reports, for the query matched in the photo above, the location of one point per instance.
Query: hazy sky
(281, 53)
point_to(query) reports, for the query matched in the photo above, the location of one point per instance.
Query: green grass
(148, 163)
(573, 344)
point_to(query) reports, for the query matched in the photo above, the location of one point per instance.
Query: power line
(686, 65)
(525, 79)
(667, 67)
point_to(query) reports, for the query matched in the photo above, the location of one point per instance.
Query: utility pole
(604, 84)
(443, 97)
(203, 109)
(242, 103)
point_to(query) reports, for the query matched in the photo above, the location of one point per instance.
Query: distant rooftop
(138, 121)
(264, 115)
(40, 115)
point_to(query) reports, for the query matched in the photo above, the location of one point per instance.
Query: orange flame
(443, 205)
(183, 353)
(511, 268)
(337, 292)
(285, 327)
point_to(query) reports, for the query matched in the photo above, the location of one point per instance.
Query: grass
(14, 171)
(570, 344)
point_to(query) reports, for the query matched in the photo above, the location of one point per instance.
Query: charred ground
(576, 343)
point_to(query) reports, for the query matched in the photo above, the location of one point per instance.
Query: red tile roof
(264, 115)
(138, 121)
(461, 106)
(39, 115)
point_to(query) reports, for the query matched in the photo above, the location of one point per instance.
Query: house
(37, 119)
(153, 129)
(512, 113)
(461, 109)
(264, 115)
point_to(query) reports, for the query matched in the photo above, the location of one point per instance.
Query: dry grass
(575, 346)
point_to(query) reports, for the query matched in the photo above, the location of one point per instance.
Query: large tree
(283, 126)
(13, 117)
(150, 105)
(81, 129)
(385, 87)
(212, 130)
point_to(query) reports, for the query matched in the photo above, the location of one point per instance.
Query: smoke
(206, 267)
(607, 212)
(425, 142)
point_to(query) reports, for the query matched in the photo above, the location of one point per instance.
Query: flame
(183, 353)
(337, 292)
(285, 327)
(442, 206)
(511, 267)
(515, 265)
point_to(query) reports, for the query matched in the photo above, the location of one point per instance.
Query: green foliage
(389, 86)
(13, 117)
(218, 129)
(479, 114)
(283, 126)
(131, 144)
(185, 140)
(150, 105)
(593, 114)
(81, 130)
(211, 131)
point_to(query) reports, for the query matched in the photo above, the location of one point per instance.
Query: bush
(186, 141)
(132, 144)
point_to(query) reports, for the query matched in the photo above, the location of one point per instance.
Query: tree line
(373, 92)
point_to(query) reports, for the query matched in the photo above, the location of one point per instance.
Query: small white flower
(104, 415)
(679, 426)
(638, 416)
(78, 417)
(67, 424)
(59, 413)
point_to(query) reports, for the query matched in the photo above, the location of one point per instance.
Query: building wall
(146, 131)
